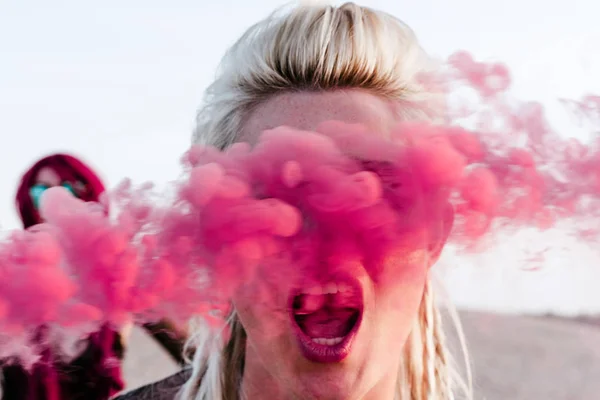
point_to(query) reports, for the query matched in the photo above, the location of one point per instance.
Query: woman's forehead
(306, 110)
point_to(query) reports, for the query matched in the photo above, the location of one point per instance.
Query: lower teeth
(328, 341)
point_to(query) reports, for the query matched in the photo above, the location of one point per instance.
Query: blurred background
(118, 82)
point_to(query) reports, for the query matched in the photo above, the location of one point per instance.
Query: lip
(324, 353)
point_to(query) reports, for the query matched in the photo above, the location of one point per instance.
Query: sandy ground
(528, 358)
(514, 358)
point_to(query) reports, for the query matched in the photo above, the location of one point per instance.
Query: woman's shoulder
(161, 390)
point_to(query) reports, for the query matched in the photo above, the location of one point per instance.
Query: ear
(440, 233)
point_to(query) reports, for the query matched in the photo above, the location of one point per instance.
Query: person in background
(96, 372)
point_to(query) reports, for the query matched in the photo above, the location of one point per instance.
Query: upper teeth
(328, 341)
(330, 288)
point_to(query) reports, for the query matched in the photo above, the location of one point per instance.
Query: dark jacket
(93, 375)
(161, 390)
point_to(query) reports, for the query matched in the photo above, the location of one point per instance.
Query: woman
(90, 375)
(297, 68)
(82, 182)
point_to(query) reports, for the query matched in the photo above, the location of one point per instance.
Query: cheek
(262, 310)
(395, 321)
(405, 272)
(400, 289)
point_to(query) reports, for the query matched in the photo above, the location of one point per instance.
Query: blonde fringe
(317, 47)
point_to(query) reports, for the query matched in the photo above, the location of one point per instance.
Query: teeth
(337, 294)
(315, 290)
(329, 288)
(328, 341)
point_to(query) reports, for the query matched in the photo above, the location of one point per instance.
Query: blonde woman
(298, 67)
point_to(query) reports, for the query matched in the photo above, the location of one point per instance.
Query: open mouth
(326, 319)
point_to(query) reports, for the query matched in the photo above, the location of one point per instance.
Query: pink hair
(69, 169)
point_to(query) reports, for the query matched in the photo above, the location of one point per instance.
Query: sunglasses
(38, 190)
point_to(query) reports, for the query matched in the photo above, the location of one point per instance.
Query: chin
(332, 385)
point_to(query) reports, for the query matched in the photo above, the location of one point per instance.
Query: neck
(259, 384)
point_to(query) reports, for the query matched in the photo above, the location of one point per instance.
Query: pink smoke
(295, 199)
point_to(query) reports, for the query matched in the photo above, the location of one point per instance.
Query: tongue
(327, 323)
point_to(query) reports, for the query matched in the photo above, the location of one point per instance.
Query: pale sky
(117, 82)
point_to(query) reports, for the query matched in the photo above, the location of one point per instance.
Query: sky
(118, 82)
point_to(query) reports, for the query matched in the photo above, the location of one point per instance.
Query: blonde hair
(316, 48)
(319, 48)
